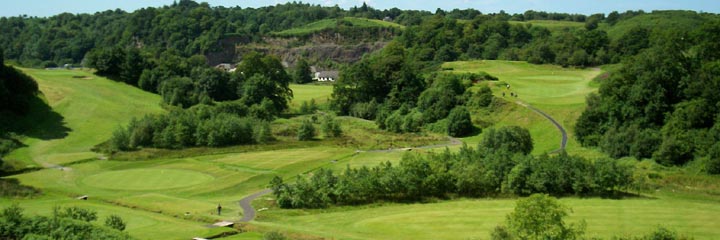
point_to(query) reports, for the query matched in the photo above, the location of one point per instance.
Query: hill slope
(85, 111)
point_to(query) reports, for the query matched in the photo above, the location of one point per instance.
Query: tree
(302, 72)
(115, 221)
(541, 217)
(459, 123)
(306, 131)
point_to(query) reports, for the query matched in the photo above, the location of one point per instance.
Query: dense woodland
(661, 103)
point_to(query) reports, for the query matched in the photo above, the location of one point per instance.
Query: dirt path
(563, 141)
(246, 204)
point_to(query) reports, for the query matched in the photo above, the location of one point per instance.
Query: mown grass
(475, 219)
(182, 207)
(560, 92)
(91, 107)
(307, 92)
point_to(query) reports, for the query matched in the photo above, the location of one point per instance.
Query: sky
(44, 8)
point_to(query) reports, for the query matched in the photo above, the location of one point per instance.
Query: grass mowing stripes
(146, 179)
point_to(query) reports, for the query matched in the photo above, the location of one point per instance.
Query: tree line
(662, 103)
(192, 28)
(501, 164)
(223, 124)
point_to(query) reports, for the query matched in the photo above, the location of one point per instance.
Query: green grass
(165, 194)
(332, 23)
(475, 219)
(146, 179)
(306, 92)
(560, 92)
(91, 108)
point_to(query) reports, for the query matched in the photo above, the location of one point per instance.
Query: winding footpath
(245, 203)
(563, 141)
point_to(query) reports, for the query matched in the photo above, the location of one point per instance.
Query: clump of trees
(538, 217)
(186, 82)
(387, 88)
(661, 103)
(227, 123)
(67, 223)
(480, 172)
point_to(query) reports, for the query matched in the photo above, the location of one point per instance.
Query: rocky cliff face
(316, 48)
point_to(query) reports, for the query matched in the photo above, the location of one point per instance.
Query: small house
(326, 76)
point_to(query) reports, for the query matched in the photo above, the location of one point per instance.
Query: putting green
(146, 179)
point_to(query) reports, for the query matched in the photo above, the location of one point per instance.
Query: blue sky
(52, 7)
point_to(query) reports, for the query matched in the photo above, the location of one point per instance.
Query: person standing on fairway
(219, 209)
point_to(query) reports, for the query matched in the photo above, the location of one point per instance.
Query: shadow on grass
(41, 122)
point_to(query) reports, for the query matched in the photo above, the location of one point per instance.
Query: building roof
(328, 74)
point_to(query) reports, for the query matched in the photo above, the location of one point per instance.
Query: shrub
(330, 127)
(306, 132)
(115, 221)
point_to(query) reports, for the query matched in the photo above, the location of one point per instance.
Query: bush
(712, 166)
(364, 110)
(115, 222)
(330, 127)
(459, 123)
(274, 236)
(306, 132)
(76, 213)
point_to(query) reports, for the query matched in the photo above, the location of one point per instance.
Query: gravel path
(245, 203)
(563, 141)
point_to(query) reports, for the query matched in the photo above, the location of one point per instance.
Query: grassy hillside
(87, 108)
(333, 23)
(558, 91)
(659, 20)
